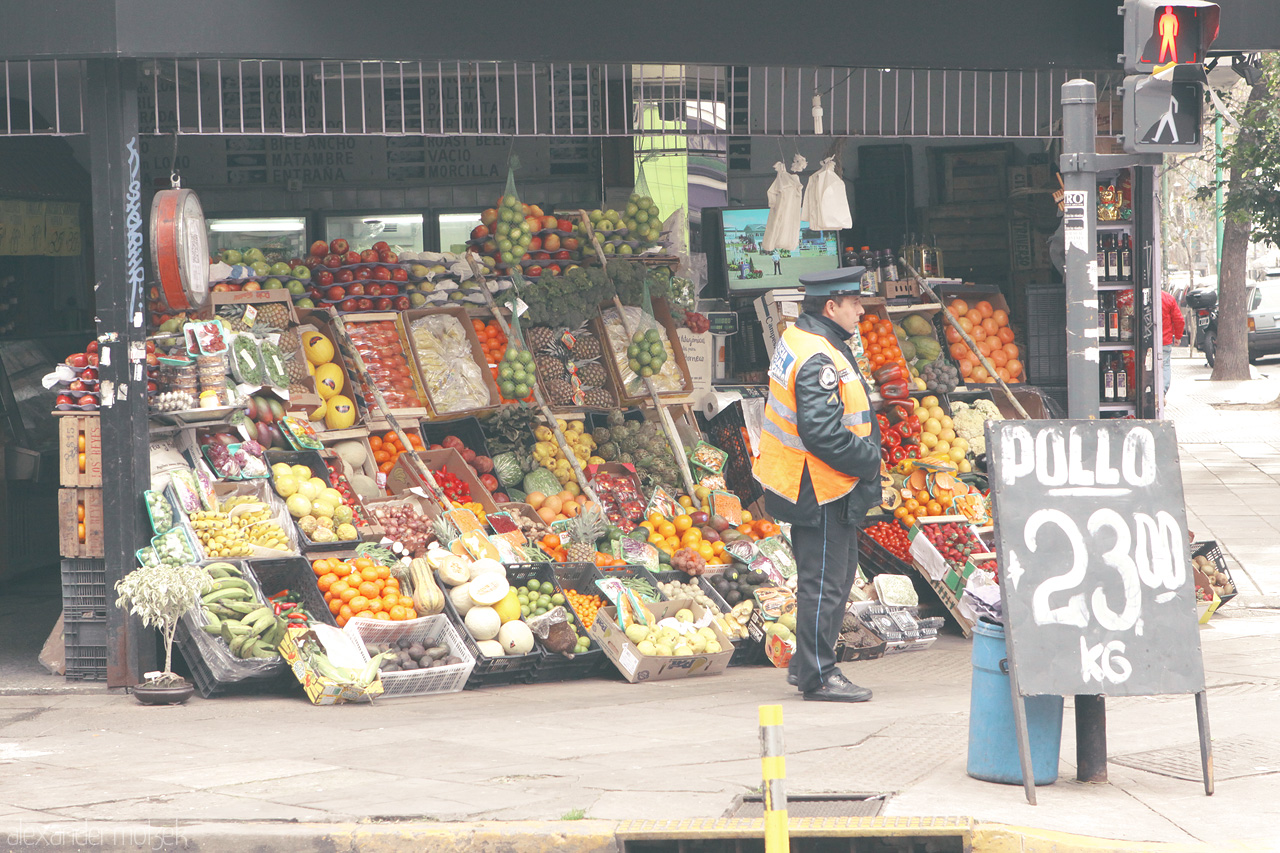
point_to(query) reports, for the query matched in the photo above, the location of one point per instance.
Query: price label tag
(250, 315)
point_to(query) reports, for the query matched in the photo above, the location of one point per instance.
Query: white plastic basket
(430, 631)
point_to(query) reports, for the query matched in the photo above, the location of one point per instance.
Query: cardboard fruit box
(637, 667)
(320, 320)
(403, 477)
(477, 356)
(354, 323)
(631, 396)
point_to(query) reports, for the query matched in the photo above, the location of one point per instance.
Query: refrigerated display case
(403, 232)
(280, 238)
(455, 229)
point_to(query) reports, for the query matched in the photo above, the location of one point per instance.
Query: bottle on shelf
(1122, 383)
(868, 259)
(888, 266)
(1113, 320)
(1126, 259)
(1102, 259)
(1113, 257)
(1108, 380)
(1103, 299)
(932, 259)
(1124, 306)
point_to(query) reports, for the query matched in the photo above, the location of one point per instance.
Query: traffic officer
(819, 464)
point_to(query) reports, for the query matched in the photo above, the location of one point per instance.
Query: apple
(220, 287)
(271, 284)
(399, 274)
(540, 256)
(324, 278)
(489, 216)
(369, 256)
(339, 246)
(570, 243)
(389, 257)
(403, 303)
(381, 246)
(417, 300)
(78, 386)
(293, 262)
(533, 223)
(351, 258)
(351, 304)
(344, 276)
(365, 304)
(333, 261)
(319, 249)
(305, 302)
(253, 285)
(313, 263)
(383, 304)
(535, 244)
(88, 400)
(92, 346)
(296, 287)
(533, 271)
(363, 273)
(374, 290)
(554, 269)
(66, 400)
(382, 274)
(489, 248)
(261, 269)
(550, 223)
(551, 242)
(564, 225)
(479, 232)
(562, 255)
(356, 289)
(301, 271)
(152, 387)
(78, 360)
(335, 293)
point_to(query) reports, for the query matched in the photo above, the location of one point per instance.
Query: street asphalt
(575, 765)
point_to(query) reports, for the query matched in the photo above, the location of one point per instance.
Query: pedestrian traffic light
(1163, 113)
(1161, 34)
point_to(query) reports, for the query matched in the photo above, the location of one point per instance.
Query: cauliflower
(968, 423)
(988, 410)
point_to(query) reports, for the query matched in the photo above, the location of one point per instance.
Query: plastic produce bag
(782, 230)
(553, 631)
(453, 379)
(669, 377)
(826, 204)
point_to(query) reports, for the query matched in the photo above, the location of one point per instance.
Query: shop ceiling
(522, 99)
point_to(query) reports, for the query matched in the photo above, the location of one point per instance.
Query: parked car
(1262, 306)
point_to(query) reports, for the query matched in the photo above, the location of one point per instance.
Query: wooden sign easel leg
(1024, 738)
(1206, 747)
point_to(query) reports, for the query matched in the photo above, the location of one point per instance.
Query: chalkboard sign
(723, 322)
(1095, 568)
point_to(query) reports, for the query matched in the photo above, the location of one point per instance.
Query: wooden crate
(662, 314)
(70, 543)
(71, 429)
(477, 355)
(410, 355)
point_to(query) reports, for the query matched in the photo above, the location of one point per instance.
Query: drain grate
(814, 805)
(1233, 758)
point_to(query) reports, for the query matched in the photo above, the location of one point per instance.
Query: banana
(217, 572)
(244, 608)
(231, 583)
(215, 624)
(225, 595)
(277, 633)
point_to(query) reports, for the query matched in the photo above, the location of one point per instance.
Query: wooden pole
(964, 336)
(664, 417)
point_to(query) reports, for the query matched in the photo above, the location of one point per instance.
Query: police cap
(842, 281)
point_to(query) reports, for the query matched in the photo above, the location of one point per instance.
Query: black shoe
(791, 678)
(833, 692)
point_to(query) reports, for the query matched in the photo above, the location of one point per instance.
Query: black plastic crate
(492, 672)
(467, 429)
(727, 431)
(1045, 359)
(292, 573)
(1210, 550)
(84, 586)
(86, 647)
(555, 667)
(876, 559)
(207, 684)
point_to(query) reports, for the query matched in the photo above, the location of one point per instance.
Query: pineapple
(540, 337)
(273, 315)
(598, 398)
(444, 530)
(584, 529)
(587, 346)
(592, 375)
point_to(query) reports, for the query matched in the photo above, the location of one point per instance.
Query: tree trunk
(1231, 351)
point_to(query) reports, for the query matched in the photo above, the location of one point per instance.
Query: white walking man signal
(1167, 120)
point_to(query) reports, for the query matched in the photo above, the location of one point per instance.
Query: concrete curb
(1001, 838)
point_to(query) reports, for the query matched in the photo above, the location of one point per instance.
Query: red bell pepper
(897, 454)
(891, 437)
(883, 421)
(895, 390)
(889, 373)
(898, 412)
(909, 427)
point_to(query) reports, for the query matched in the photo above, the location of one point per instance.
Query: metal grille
(506, 99)
(42, 97)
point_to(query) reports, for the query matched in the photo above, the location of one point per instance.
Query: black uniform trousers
(826, 563)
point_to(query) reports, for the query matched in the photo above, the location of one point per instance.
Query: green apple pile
(513, 233)
(646, 353)
(638, 222)
(516, 373)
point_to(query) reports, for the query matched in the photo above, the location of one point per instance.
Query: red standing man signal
(1168, 29)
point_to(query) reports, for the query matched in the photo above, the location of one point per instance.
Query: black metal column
(119, 247)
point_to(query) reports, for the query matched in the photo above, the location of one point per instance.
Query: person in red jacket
(1172, 324)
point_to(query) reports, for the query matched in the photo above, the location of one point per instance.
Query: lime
(644, 358)
(508, 389)
(526, 357)
(646, 371)
(505, 370)
(548, 588)
(657, 348)
(557, 598)
(634, 365)
(652, 335)
(633, 350)
(525, 611)
(521, 391)
(637, 338)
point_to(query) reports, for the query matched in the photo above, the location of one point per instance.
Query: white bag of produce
(782, 230)
(454, 380)
(826, 204)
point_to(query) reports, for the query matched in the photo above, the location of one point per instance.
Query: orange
(1011, 350)
(673, 543)
(383, 572)
(958, 307)
(396, 613)
(935, 508)
(367, 589)
(80, 531)
(952, 335)
(358, 604)
(335, 606)
(984, 308)
(80, 512)
(404, 601)
(717, 547)
(667, 529)
(80, 442)
(320, 567)
(706, 551)
(998, 357)
(326, 582)
(348, 594)
(656, 538)
(900, 511)
(1000, 316)
(369, 573)
(691, 536)
(682, 523)
(974, 316)
(342, 620)
(410, 613)
(375, 605)
(747, 517)
(375, 442)
(338, 587)
(655, 519)
(379, 585)
(383, 615)
(345, 612)
(1014, 367)
(81, 459)
(1005, 335)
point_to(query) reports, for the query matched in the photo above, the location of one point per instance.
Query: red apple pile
(356, 281)
(480, 466)
(81, 392)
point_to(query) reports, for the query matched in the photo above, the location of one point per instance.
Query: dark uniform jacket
(818, 414)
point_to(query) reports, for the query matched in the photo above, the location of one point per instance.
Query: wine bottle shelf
(1115, 285)
(1117, 407)
(1115, 346)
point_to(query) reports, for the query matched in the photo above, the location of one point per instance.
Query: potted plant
(159, 595)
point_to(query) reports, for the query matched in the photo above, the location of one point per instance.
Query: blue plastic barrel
(993, 743)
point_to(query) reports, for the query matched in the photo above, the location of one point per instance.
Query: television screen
(742, 265)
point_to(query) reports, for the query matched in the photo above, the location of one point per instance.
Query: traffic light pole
(1080, 166)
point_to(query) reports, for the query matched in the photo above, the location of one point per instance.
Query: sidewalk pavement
(273, 772)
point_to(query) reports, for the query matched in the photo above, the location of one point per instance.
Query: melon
(486, 565)
(317, 348)
(365, 486)
(488, 589)
(460, 597)
(329, 380)
(491, 648)
(353, 453)
(509, 607)
(340, 412)
(927, 349)
(483, 623)
(516, 638)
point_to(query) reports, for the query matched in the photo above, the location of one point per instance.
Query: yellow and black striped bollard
(773, 769)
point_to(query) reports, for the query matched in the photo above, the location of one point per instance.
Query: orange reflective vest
(780, 465)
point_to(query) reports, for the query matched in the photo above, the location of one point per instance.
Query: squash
(428, 599)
